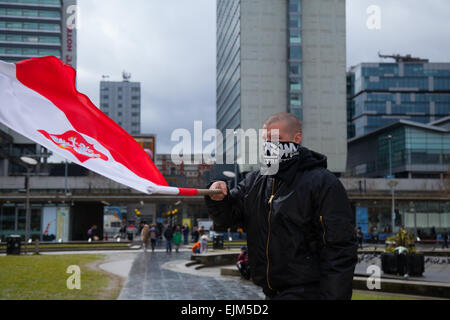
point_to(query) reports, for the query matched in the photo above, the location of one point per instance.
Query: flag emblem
(76, 144)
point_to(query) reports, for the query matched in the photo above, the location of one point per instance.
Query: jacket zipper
(268, 234)
(323, 227)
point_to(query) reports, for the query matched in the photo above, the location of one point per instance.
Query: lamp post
(392, 184)
(29, 163)
(236, 156)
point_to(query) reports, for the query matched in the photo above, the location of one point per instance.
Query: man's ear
(298, 138)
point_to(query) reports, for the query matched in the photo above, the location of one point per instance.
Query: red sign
(76, 144)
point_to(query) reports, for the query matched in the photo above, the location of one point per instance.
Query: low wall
(219, 259)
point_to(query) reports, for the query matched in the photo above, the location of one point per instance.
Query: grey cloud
(169, 46)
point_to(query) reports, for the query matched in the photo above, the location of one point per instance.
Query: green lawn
(68, 245)
(43, 277)
(360, 295)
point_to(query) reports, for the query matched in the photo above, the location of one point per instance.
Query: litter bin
(389, 263)
(13, 245)
(416, 264)
(218, 242)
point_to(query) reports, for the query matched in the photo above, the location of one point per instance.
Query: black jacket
(168, 234)
(300, 229)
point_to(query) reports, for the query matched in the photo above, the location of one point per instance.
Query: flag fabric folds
(39, 100)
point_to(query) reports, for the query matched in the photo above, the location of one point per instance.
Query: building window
(295, 84)
(295, 99)
(294, 22)
(295, 36)
(295, 52)
(295, 69)
(295, 6)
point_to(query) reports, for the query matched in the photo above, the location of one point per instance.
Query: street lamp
(30, 162)
(236, 156)
(391, 183)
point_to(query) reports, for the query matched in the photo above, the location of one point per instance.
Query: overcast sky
(169, 46)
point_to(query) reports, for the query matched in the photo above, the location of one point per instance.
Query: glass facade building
(30, 29)
(414, 151)
(383, 93)
(420, 217)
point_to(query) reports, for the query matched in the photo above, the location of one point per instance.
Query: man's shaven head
(288, 124)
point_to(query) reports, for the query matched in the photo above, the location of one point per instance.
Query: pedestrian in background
(242, 263)
(445, 238)
(153, 237)
(360, 236)
(196, 247)
(186, 234)
(168, 234)
(177, 238)
(145, 234)
(201, 231)
(131, 231)
(195, 235)
(93, 233)
(204, 244)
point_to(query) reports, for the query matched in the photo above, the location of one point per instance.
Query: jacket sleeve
(338, 256)
(230, 211)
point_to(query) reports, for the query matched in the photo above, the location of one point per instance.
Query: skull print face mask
(280, 152)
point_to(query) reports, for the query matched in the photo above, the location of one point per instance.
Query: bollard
(36, 247)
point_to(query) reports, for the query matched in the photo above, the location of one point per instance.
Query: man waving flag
(39, 100)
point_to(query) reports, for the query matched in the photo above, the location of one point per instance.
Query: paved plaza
(151, 278)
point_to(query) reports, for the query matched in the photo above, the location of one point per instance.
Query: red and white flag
(39, 100)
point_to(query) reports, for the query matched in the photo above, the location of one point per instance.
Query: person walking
(360, 236)
(195, 235)
(153, 237)
(145, 234)
(445, 239)
(300, 226)
(201, 231)
(168, 234)
(186, 234)
(177, 238)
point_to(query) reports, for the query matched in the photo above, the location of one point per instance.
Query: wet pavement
(149, 280)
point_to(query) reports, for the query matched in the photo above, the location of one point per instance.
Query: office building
(35, 28)
(31, 29)
(410, 89)
(409, 149)
(284, 56)
(121, 101)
